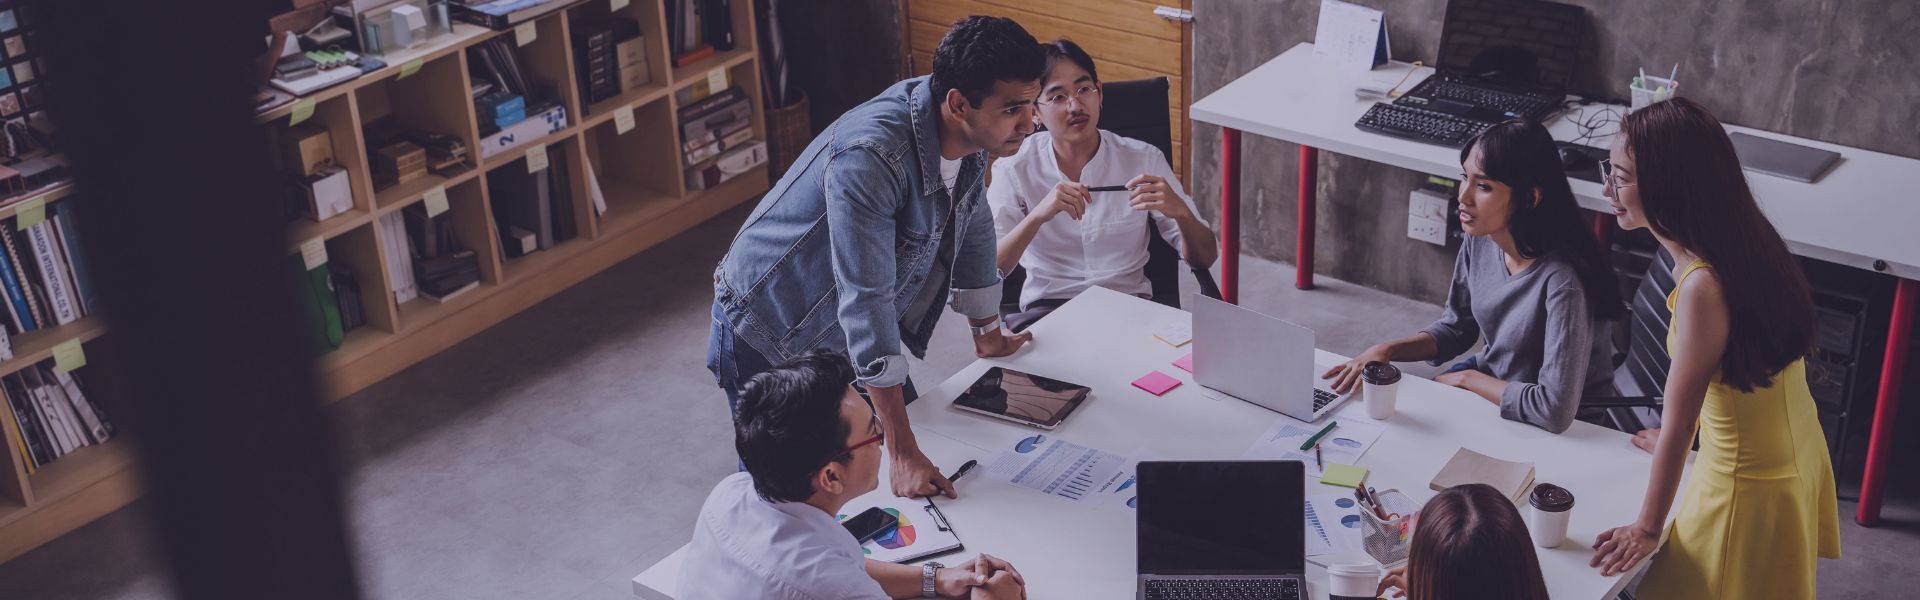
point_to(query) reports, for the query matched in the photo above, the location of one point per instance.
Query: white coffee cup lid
(1353, 568)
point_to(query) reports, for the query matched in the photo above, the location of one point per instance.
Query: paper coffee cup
(1552, 507)
(1356, 580)
(1382, 384)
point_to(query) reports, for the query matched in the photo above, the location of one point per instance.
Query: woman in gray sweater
(1529, 278)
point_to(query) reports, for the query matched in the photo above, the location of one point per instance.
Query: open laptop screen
(1529, 44)
(1221, 518)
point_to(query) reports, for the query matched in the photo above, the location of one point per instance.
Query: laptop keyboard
(1321, 398)
(1223, 589)
(1526, 105)
(1420, 125)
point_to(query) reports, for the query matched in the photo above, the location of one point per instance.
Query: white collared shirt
(1107, 247)
(745, 547)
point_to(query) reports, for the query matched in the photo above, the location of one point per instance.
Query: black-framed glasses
(1083, 94)
(1612, 178)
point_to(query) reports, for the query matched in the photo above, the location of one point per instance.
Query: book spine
(28, 426)
(54, 273)
(95, 419)
(476, 17)
(75, 255)
(55, 418)
(16, 293)
(25, 272)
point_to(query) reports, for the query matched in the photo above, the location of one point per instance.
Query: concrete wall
(1833, 71)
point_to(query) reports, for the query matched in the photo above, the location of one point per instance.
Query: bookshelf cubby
(639, 173)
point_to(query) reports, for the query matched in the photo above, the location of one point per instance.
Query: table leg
(1886, 409)
(1230, 215)
(1303, 243)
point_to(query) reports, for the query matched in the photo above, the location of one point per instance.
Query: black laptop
(1221, 530)
(1503, 59)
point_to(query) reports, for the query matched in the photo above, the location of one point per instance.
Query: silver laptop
(1782, 159)
(1259, 359)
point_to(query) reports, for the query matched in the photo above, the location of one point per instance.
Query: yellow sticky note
(31, 212)
(716, 80)
(314, 253)
(536, 159)
(525, 33)
(1347, 476)
(68, 355)
(408, 69)
(436, 201)
(302, 110)
(623, 119)
(617, 4)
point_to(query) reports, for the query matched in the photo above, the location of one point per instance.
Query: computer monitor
(1221, 518)
(1530, 44)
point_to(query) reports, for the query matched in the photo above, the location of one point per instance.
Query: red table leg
(1230, 215)
(1303, 245)
(1886, 410)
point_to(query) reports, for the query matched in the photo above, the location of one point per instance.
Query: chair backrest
(1644, 372)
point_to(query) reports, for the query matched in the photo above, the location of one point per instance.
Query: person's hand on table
(914, 475)
(1346, 376)
(1150, 192)
(958, 581)
(1646, 438)
(1002, 584)
(1455, 379)
(1618, 549)
(999, 343)
(1396, 578)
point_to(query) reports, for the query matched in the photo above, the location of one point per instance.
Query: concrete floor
(558, 454)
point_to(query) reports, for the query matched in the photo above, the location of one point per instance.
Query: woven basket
(789, 130)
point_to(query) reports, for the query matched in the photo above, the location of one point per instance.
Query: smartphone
(871, 524)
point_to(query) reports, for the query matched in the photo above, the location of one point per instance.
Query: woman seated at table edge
(1529, 277)
(1470, 544)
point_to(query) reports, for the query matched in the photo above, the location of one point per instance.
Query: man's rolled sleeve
(861, 193)
(976, 268)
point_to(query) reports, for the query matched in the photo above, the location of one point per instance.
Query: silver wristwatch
(926, 578)
(985, 329)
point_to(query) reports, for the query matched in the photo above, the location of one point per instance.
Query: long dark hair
(1521, 154)
(1471, 543)
(1693, 193)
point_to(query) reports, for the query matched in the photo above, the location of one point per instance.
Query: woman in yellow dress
(1759, 506)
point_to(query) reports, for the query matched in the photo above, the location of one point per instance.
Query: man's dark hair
(1064, 48)
(788, 424)
(981, 50)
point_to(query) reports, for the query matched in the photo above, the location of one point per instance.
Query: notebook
(1467, 466)
(922, 533)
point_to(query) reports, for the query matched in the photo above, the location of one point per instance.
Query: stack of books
(44, 281)
(503, 14)
(718, 139)
(52, 416)
(697, 29)
(441, 266)
(596, 49)
(531, 210)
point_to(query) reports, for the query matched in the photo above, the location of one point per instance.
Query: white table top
(1862, 211)
(1101, 339)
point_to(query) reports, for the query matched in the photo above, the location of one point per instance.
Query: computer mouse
(1572, 159)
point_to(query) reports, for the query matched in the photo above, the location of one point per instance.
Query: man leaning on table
(877, 223)
(811, 443)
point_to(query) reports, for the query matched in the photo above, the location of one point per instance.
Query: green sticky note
(1437, 180)
(436, 201)
(302, 110)
(1347, 476)
(407, 70)
(68, 355)
(31, 212)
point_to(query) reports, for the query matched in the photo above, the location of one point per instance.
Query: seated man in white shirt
(811, 443)
(1102, 239)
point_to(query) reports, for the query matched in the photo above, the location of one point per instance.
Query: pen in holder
(1388, 540)
(1648, 90)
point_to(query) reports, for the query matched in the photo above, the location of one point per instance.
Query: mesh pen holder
(1388, 540)
(1648, 90)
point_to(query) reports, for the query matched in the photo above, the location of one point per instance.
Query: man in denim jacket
(879, 220)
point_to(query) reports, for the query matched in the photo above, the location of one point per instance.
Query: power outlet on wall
(1427, 216)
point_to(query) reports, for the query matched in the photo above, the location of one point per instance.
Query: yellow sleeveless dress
(1759, 506)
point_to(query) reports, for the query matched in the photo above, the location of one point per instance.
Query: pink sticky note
(1156, 383)
(1185, 363)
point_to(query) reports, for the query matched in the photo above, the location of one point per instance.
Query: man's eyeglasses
(879, 437)
(1084, 94)
(1613, 178)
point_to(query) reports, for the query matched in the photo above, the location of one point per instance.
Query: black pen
(1316, 458)
(1109, 188)
(962, 472)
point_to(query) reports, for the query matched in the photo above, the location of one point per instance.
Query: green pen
(1316, 437)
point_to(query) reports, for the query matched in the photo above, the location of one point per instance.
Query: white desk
(1860, 215)
(1102, 339)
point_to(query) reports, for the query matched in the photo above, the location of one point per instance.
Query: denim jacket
(838, 250)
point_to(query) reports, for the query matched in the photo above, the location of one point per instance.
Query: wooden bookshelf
(640, 174)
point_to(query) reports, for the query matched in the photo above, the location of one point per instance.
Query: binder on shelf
(69, 234)
(24, 276)
(320, 305)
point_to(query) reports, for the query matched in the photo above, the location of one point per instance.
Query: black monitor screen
(1222, 518)
(1524, 43)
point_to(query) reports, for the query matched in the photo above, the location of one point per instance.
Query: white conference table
(1103, 339)
(1860, 214)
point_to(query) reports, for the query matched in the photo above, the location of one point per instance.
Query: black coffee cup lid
(1380, 373)
(1551, 498)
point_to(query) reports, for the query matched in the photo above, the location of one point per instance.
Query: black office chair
(1135, 109)
(1640, 370)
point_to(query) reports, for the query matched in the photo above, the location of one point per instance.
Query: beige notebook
(1467, 466)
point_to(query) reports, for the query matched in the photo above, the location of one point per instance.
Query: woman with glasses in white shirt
(1069, 238)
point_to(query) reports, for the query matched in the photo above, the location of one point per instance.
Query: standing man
(879, 221)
